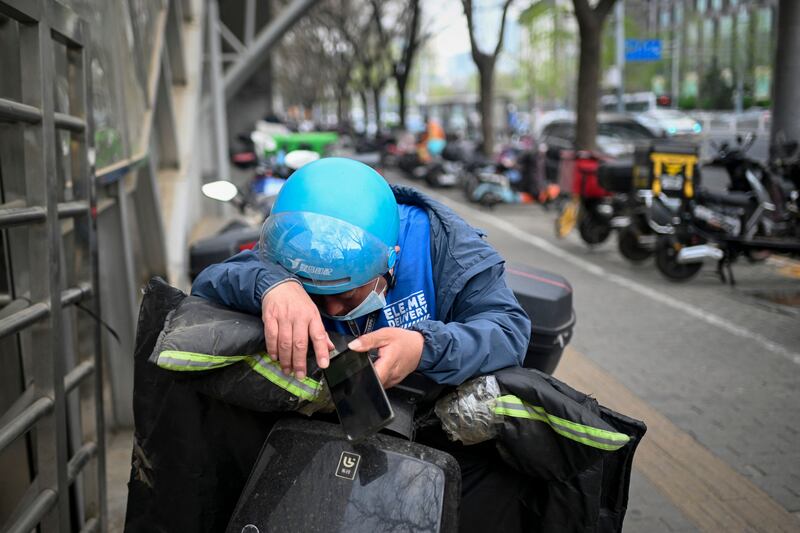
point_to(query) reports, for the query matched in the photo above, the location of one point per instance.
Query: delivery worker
(343, 251)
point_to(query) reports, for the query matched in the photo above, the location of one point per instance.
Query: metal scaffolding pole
(249, 22)
(217, 91)
(785, 111)
(252, 58)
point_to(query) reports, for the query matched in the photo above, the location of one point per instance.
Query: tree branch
(603, 8)
(502, 29)
(476, 53)
(582, 11)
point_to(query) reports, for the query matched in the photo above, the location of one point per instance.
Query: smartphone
(358, 395)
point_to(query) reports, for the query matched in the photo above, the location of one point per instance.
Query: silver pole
(217, 91)
(249, 22)
(785, 111)
(620, 34)
(250, 61)
(676, 58)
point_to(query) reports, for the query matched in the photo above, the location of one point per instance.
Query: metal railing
(39, 316)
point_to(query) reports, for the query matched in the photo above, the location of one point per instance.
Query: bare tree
(378, 56)
(304, 51)
(590, 25)
(353, 47)
(412, 39)
(357, 23)
(485, 63)
(336, 20)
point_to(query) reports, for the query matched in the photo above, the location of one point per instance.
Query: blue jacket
(479, 325)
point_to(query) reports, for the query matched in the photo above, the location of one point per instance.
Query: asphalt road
(720, 363)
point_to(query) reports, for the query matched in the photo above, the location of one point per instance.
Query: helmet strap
(390, 278)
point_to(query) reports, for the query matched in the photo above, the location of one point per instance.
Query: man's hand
(290, 320)
(399, 352)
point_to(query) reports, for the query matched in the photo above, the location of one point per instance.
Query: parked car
(617, 137)
(669, 123)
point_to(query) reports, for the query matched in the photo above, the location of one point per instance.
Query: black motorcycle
(386, 481)
(253, 206)
(757, 215)
(592, 209)
(643, 216)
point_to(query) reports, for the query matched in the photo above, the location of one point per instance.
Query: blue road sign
(642, 50)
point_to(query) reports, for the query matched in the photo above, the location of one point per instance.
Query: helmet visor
(329, 255)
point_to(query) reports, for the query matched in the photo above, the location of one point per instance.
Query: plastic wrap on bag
(467, 413)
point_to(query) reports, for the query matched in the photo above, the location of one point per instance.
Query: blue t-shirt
(413, 298)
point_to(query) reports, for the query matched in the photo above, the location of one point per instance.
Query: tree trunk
(340, 110)
(365, 106)
(715, 44)
(786, 121)
(376, 101)
(486, 75)
(701, 38)
(685, 21)
(558, 96)
(750, 66)
(588, 83)
(401, 82)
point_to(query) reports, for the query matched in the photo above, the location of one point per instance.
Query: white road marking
(599, 271)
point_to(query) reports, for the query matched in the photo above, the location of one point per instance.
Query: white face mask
(373, 302)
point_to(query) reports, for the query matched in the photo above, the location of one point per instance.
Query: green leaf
(536, 10)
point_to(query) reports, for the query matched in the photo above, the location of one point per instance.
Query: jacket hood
(458, 250)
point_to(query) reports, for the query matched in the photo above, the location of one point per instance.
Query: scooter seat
(736, 199)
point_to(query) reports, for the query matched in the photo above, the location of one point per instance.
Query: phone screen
(357, 394)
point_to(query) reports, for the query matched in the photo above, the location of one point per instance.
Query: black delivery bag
(547, 298)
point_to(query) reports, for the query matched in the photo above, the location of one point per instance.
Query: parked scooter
(253, 205)
(757, 215)
(492, 184)
(386, 481)
(642, 217)
(591, 208)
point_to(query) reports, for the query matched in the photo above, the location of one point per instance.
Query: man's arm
(488, 330)
(290, 317)
(239, 282)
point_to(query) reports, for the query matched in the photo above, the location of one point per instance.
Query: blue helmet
(334, 225)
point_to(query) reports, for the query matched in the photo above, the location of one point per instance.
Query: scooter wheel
(593, 231)
(432, 178)
(629, 247)
(470, 184)
(667, 261)
(489, 200)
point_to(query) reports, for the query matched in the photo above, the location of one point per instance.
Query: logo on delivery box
(348, 465)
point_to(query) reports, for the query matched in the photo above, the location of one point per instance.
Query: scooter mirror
(264, 142)
(298, 158)
(221, 190)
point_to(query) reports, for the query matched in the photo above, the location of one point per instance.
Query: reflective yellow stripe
(513, 406)
(306, 389)
(177, 360)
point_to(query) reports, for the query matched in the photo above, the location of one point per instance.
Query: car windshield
(669, 114)
(624, 130)
(561, 130)
(637, 106)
